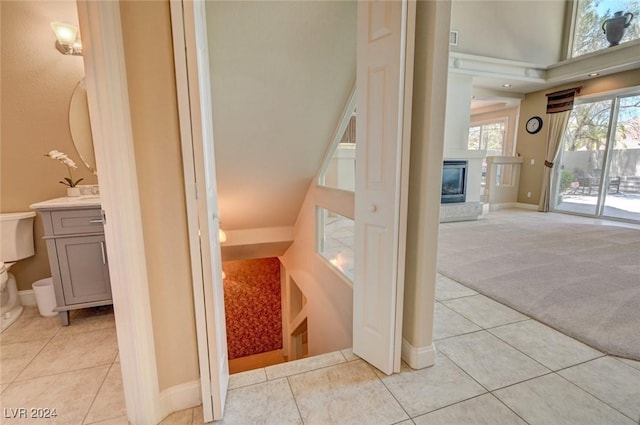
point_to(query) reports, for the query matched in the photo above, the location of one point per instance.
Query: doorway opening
(253, 310)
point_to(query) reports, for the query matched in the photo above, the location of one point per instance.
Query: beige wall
(425, 176)
(154, 114)
(36, 86)
(533, 146)
(329, 296)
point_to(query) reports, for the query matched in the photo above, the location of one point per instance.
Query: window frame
(347, 113)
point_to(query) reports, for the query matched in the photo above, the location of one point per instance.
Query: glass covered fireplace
(454, 181)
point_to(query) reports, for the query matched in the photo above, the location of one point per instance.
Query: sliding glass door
(622, 198)
(598, 172)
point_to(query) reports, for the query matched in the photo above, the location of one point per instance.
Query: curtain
(559, 106)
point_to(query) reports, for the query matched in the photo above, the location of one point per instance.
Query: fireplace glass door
(454, 179)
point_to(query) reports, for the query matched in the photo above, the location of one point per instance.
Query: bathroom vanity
(73, 231)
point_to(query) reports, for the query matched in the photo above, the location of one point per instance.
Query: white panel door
(195, 105)
(384, 31)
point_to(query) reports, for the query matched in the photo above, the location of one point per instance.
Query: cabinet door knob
(97, 220)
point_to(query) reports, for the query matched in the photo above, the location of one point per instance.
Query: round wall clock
(534, 125)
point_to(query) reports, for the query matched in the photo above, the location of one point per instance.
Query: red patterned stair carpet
(252, 306)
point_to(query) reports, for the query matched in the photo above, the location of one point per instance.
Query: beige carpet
(576, 276)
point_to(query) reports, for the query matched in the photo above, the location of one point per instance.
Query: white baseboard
(27, 297)
(180, 397)
(418, 357)
(519, 205)
(524, 206)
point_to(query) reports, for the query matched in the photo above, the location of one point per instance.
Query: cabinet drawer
(77, 221)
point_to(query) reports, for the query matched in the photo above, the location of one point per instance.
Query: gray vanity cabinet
(77, 257)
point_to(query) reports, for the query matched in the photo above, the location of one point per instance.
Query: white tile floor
(501, 369)
(491, 369)
(73, 369)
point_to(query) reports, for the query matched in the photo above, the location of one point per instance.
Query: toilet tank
(16, 235)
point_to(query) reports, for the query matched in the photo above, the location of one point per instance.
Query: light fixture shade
(65, 33)
(68, 39)
(222, 236)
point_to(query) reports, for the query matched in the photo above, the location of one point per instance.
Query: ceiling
(282, 73)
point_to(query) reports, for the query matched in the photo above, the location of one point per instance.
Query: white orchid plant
(69, 163)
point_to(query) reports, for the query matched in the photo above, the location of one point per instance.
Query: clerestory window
(590, 15)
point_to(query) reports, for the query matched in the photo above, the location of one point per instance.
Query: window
(487, 136)
(336, 237)
(490, 137)
(590, 15)
(340, 171)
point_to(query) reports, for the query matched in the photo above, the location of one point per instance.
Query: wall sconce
(222, 236)
(68, 39)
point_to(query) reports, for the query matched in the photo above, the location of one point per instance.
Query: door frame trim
(196, 126)
(181, 61)
(108, 100)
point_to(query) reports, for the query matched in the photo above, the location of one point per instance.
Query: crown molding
(490, 73)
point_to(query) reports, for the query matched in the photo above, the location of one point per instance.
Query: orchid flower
(69, 163)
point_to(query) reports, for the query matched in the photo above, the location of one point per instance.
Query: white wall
(456, 131)
(329, 295)
(519, 30)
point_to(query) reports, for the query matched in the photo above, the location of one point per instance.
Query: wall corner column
(427, 141)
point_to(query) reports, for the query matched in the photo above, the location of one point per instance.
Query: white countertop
(68, 202)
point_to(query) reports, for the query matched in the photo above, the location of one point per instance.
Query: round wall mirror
(80, 126)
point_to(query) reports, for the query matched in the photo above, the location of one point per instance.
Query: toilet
(16, 237)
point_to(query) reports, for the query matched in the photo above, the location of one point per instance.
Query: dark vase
(614, 27)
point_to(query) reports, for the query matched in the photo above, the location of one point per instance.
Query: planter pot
(73, 191)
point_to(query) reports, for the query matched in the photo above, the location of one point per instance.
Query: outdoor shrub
(566, 178)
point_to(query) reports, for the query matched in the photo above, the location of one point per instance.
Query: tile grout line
(462, 369)
(305, 371)
(620, 359)
(489, 327)
(84, 418)
(65, 372)
(500, 388)
(468, 399)
(509, 407)
(519, 351)
(596, 397)
(193, 415)
(30, 361)
(390, 393)
(295, 400)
